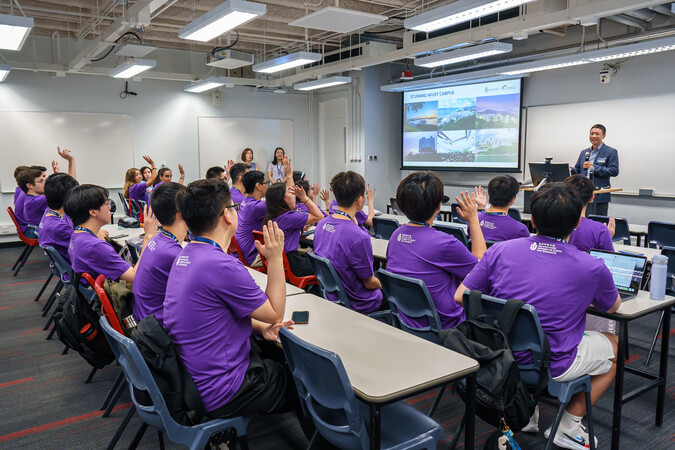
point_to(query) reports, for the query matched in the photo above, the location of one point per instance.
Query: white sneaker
(574, 438)
(533, 425)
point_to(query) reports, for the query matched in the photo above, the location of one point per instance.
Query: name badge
(601, 160)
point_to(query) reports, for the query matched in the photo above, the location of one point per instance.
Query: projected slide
(470, 127)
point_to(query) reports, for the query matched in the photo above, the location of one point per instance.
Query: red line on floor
(29, 262)
(12, 383)
(633, 358)
(35, 330)
(672, 333)
(26, 282)
(5, 307)
(57, 424)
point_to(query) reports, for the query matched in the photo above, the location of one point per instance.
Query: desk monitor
(553, 171)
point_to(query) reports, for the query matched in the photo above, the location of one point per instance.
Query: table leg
(374, 427)
(470, 427)
(618, 385)
(663, 367)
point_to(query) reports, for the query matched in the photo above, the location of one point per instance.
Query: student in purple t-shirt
(237, 190)
(280, 200)
(252, 212)
(56, 228)
(364, 220)
(418, 250)
(312, 192)
(211, 321)
(495, 221)
(589, 233)
(20, 198)
(339, 239)
(152, 271)
(88, 206)
(134, 185)
(560, 282)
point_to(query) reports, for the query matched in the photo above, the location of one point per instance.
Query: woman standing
(275, 170)
(247, 157)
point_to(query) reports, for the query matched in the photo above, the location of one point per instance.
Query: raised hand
(65, 154)
(370, 193)
(325, 195)
(287, 164)
(611, 224)
(149, 160)
(181, 171)
(467, 209)
(150, 223)
(229, 165)
(299, 192)
(274, 242)
(55, 167)
(481, 197)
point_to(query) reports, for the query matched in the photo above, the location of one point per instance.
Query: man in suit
(601, 164)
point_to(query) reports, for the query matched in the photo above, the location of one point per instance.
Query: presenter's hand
(274, 243)
(271, 333)
(481, 197)
(150, 222)
(587, 164)
(65, 154)
(467, 209)
(611, 224)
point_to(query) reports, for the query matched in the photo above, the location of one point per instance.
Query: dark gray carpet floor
(45, 404)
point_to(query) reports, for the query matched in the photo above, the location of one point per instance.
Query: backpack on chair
(500, 393)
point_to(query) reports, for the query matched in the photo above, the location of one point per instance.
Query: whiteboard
(641, 129)
(224, 138)
(102, 145)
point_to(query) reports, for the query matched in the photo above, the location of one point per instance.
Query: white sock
(568, 421)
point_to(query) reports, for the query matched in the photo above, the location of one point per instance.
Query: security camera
(605, 76)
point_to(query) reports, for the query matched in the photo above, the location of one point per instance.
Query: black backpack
(167, 368)
(500, 392)
(76, 323)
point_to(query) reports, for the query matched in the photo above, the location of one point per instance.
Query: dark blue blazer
(606, 165)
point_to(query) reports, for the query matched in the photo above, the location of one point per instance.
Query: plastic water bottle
(657, 289)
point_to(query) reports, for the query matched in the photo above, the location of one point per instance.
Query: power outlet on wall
(217, 98)
(372, 157)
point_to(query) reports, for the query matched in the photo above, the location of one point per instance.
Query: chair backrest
(329, 281)
(136, 208)
(61, 266)
(526, 333)
(107, 308)
(453, 230)
(384, 227)
(670, 279)
(621, 233)
(300, 282)
(234, 249)
(30, 241)
(454, 214)
(515, 214)
(410, 297)
(661, 234)
(325, 392)
(125, 205)
(394, 207)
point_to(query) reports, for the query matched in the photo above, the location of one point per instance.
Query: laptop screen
(627, 270)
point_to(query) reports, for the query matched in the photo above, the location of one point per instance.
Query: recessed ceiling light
(13, 31)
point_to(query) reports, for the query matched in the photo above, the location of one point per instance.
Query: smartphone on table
(300, 317)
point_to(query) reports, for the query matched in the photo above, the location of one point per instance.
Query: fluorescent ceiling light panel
(338, 20)
(627, 51)
(464, 54)
(4, 71)
(135, 50)
(132, 67)
(204, 85)
(287, 62)
(458, 12)
(13, 31)
(540, 66)
(322, 83)
(221, 19)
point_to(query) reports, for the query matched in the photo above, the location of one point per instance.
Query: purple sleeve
(455, 258)
(292, 220)
(605, 240)
(605, 289)
(361, 258)
(478, 278)
(524, 231)
(103, 258)
(242, 293)
(332, 207)
(361, 217)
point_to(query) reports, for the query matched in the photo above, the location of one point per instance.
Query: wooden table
(384, 364)
(630, 310)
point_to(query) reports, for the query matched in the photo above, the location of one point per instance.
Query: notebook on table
(627, 271)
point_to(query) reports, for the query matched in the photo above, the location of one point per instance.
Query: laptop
(627, 271)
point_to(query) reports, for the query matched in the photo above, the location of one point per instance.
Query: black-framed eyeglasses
(235, 206)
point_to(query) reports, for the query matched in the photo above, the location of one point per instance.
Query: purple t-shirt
(152, 273)
(56, 231)
(350, 251)
(299, 206)
(555, 278)
(137, 191)
(95, 256)
(208, 320)
(19, 201)
(291, 223)
(237, 196)
(591, 234)
(251, 215)
(34, 208)
(498, 227)
(360, 216)
(436, 258)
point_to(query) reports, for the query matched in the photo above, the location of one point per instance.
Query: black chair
(394, 207)
(622, 232)
(384, 228)
(113, 210)
(454, 214)
(515, 214)
(454, 230)
(125, 204)
(329, 281)
(661, 234)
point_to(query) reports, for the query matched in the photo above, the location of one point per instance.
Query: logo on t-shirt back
(545, 247)
(533, 246)
(183, 261)
(487, 225)
(328, 227)
(405, 238)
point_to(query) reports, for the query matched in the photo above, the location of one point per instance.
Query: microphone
(587, 157)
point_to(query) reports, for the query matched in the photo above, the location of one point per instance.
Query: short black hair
(83, 198)
(419, 195)
(18, 170)
(251, 179)
(202, 203)
(556, 209)
(600, 127)
(502, 189)
(238, 170)
(56, 188)
(28, 176)
(163, 202)
(584, 186)
(214, 172)
(347, 188)
(275, 201)
(298, 175)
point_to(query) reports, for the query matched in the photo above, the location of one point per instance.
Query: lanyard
(494, 213)
(555, 239)
(419, 223)
(342, 213)
(206, 241)
(87, 230)
(169, 235)
(49, 211)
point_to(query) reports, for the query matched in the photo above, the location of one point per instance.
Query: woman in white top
(247, 157)
(275, 169)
